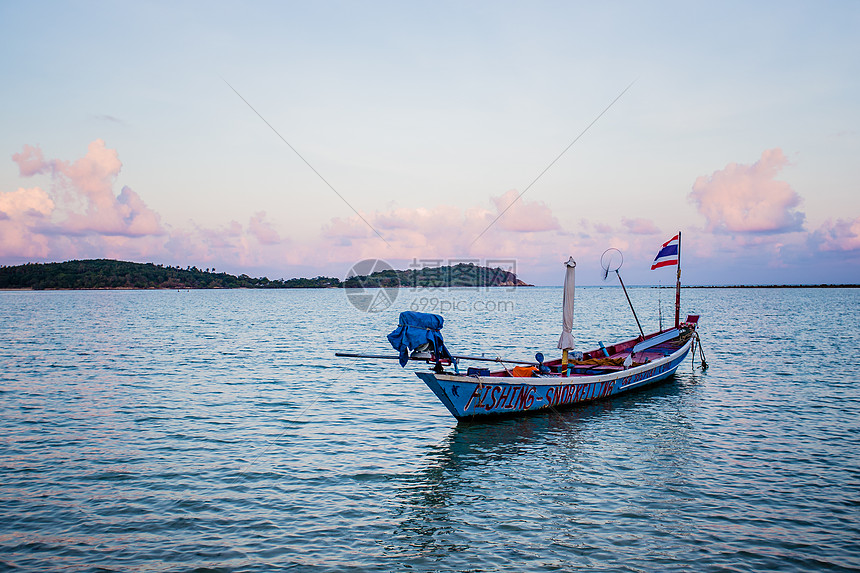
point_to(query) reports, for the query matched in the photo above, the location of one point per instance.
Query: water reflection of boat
(472, 445)
(485, 477)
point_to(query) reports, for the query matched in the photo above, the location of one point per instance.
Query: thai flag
(668, 254)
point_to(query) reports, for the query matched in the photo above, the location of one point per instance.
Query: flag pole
(678, 286)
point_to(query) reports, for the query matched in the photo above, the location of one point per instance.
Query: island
(112, 274)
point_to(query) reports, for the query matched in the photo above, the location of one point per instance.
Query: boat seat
(655, 340)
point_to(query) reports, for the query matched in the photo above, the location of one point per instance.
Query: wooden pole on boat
(630, 303)
(678, 286)
(428, 359)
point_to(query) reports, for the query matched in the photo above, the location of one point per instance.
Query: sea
(215, 430)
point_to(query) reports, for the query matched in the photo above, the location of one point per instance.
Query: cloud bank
(75, 212)
(78, 213)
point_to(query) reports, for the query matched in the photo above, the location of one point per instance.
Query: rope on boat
(693, 355)
(499, 360)
(701, 352)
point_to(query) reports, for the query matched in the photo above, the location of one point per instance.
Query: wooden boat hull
(468, 397)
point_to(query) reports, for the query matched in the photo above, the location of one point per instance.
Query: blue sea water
(215, 431)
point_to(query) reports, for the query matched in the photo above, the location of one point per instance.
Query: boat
(599, 373)
(533, 386)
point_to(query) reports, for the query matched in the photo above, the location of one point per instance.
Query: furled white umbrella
(566, 342)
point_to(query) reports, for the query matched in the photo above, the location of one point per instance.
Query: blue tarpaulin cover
(416, 329)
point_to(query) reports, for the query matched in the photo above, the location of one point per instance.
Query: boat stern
(450, 401)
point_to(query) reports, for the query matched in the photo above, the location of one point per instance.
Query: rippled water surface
(214, 430)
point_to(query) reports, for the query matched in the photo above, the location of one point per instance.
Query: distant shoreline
(773, 286)
(823, 286)
(109, 274)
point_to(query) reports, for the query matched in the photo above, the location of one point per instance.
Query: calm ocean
(215, 431)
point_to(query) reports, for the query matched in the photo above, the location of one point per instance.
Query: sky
(294, 139)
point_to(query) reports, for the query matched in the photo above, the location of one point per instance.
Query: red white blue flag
(668, 254)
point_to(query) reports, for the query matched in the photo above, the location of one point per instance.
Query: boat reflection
(483, 473)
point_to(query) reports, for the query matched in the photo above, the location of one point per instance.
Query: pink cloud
(405, 230)
(82, 192)
(448, 232)
(640, 226)
(137, 218)
(125, 215)
(262, 230)
(21, 212)
(345, 230)
(236, 246)
(30, 161)
(26, 203)
(523, 216)
(91, 179)
(93, 175)
(839, 235)
(747, 198)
